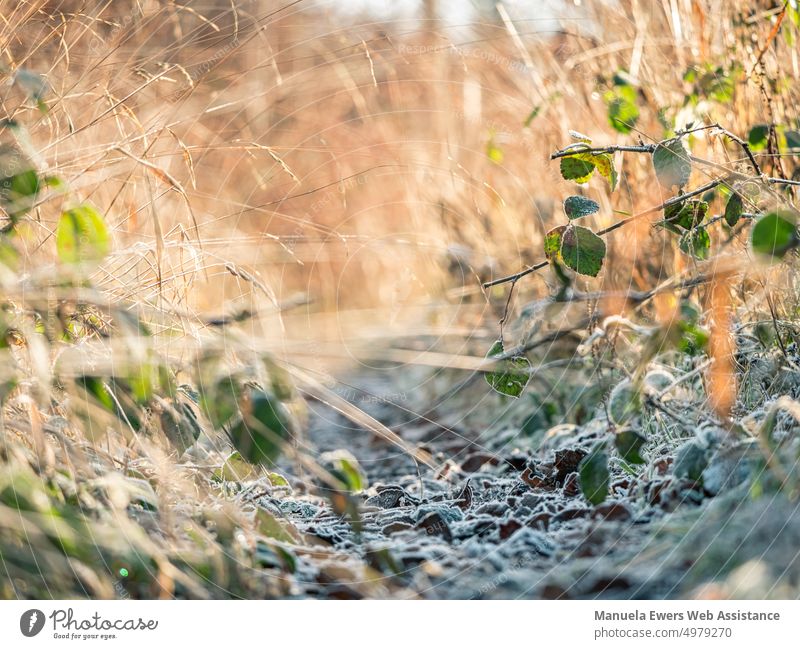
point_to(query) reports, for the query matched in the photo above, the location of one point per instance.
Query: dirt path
(499, 524)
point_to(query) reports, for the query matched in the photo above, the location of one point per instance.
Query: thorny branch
(650, 148)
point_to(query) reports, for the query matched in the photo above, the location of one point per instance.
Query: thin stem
(783, 181)
(566, 153)
(516, 276)
(668, 203)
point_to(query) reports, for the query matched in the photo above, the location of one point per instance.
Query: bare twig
(571, 151)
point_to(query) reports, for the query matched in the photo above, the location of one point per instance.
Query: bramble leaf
(775, 234)
(582, 250)
(622, 108)
(686, 214)
(82, 235)
(734, 209)
(552, 243)
(576, 207)
(264, 427)
(629, 444)
(594, 475)
(696, 243)
(757, 138)
(573, 168)
(671, 162)
(514, 375)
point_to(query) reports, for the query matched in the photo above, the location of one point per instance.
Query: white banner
(329, 625)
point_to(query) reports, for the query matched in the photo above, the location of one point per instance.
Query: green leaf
(757, 138)
(594, 475)
(82, 235)
(580, 163)
(686, 214)
(734, 209)
(552, 243)
(672, 165)
(277, 480)
(605, 167)
(573, 168)
(263, 429)
(180, 425)
(56, 183)
(576, 207)
(514, 375)
(792, 141)
(272, 527)
(624, 402)
(718, 84)
(275, 556)
(20, 183)
(623, 111)
(629, 444)
(221, 402)
(97, 388)
(235, 469)
(690, 460)
(582, 250)
(693, 338)
(696, 243)
(775, 234)
(343, 466)
(9, 257)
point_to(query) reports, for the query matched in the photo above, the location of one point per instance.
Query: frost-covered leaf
(582, 250)
(672, 165)
(629, 444)
(686, 214)
(576, 207)
(624, 402)
(594, 475)
(690, 460)
(552, 243)
(696, 243)
(573, 168)
(734, 209)
(513, 375)
(580, 137)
